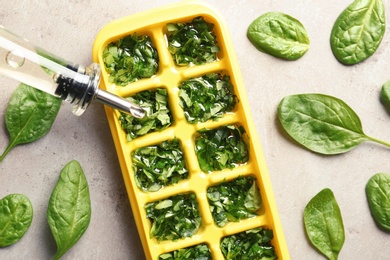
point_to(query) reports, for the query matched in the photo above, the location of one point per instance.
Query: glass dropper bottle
(73, 83)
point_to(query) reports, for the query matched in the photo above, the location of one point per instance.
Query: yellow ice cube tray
(169, 76)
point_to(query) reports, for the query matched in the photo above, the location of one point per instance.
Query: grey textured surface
(68, 29)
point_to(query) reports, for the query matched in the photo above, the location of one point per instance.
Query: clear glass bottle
(73, 83)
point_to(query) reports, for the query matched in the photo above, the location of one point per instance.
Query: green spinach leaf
(158, 116)
(207, 97)
(235, 200)
(279, 35)
(324, 224)
(159, 165)
(321, 123)
(192, 43)
(16, 215)
(251, 244)
(30, 115)
(69, 210)
(174, 218)
(378, 197)
(198, 252)
(221, 148)
(358, 31)
(385, 94)
(131, 58)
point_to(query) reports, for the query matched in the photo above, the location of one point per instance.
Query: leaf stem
(9, 147)
(378, 141)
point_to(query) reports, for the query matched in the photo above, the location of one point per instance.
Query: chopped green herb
(192, 43)
(207, 97)
(174, 218)
(235, 200)
(254, 244)
(159, 165)
(157, 118)
(221, 148)
(130, 58)
(198, 252)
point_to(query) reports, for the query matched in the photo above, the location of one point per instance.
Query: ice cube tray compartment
(169, 76)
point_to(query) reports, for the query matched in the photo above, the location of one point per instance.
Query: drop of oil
(15, 59)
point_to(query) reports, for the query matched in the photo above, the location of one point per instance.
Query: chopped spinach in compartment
(254, 244)
(207, 97)
(157, 118)
(131, 58)
(173, 218)
(221, 148)
(192, 43)
(160, 165)
(199, 252)
(235, 200)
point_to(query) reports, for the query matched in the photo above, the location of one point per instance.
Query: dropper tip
(137, 112)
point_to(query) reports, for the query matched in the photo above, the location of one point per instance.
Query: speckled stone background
(68, 29)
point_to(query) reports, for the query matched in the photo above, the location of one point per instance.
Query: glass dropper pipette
(73, 83)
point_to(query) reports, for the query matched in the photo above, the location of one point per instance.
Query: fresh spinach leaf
(69, 210)
(235, 200)
(174, 218)
(221, 148)
(158, 116)
(159, 165)
(321, 123)
(279, 35)
(358, 31)
(251, 244)
(16, 214)
(378, 197)
(131, 58)
(385, 94)
(192, 43)
(30, 115)
(207, 97)
(324, 224)
(198, 252)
